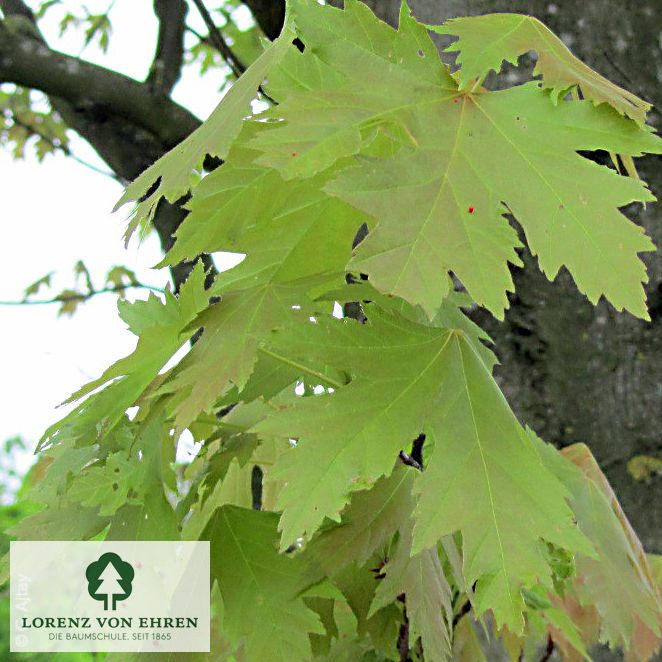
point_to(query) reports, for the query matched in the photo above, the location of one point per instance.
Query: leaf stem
(478, 82)
(81, 297)
(212, 420)
(299, 366)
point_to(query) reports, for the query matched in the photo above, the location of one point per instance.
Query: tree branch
(219, 42)
(128, 125)
(464, 610)
(25, 61)
(269, 14)
(549, 649)
(16, 8)
(167, 64)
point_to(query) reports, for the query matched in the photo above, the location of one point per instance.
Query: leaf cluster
(363, 482)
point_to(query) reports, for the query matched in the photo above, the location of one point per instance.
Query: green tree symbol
(109, 579)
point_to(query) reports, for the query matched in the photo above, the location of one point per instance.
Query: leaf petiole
(299, 366)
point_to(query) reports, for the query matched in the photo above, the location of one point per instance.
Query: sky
(57, 212)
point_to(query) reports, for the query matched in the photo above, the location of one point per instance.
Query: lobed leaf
(258, 587)
(485, 42)
(170, 176)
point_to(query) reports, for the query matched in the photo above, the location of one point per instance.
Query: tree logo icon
(109, 579)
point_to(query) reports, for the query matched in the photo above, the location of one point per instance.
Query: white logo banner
(109, 596)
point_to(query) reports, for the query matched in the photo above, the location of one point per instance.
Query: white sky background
(57, 212)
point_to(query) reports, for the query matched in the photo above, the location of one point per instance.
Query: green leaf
(63, 521)
(503, 152)
(324, 124)
(465, 159)
(170, 176)
(153, 519)
(481, 450)
(368, 523)
(466, 646)
(162, 327)
(487, 41)
(119, 276)
(630, 608)
(350, 438)
(420, 576)
(227, 350)
(109, 485)
(36, 286)
(258, 587)
(291, 228)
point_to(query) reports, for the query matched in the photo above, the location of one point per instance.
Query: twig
(63, 148)
(417, 449)
(210, 41)
(618, 68)
(548, 650)
(409, 461)
(403, 634)
(415, 458)
(219, 42)
(464, 610)
(81, 297)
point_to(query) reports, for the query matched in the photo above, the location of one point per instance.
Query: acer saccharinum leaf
(382, 556)
(171, 175)
(443, 388)
(261, 608)
(464, 158)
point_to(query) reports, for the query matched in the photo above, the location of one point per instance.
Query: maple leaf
(64, 520)
(287, 229)
(485, 42)
(152, 519)
(630, 608)
(367, 524)
(108, 486)
(466, 645)
(161, 326)
(348, 439)
(36, 286)
(258, 587)
(465, 159)
(305, 245)
(421, 578)
(119, 276)
(170, 176)
(449, 315)
(324, 119)
(227, 351)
